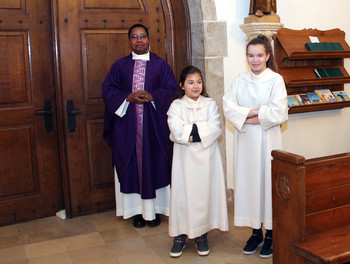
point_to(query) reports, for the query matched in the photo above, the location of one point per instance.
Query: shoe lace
(180, 239)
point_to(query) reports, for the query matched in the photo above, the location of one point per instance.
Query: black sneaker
(267, 248)
(178, 246)
(202, 245)
(253, 243)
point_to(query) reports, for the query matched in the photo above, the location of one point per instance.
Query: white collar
(141, 56)
(190, 103)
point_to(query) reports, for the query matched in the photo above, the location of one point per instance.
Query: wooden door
(90, 36)
(30, 185)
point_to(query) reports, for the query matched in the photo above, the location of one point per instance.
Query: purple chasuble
(121, 133)
(138, 83)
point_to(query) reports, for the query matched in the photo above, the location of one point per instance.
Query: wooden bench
(311, 208)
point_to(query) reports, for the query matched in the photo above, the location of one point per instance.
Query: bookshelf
(297, 64)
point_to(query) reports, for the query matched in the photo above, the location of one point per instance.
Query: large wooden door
(54, 55)
(30, 185)
(90, 36)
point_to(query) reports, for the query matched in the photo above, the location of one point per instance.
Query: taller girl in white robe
(253, 143)
(198, 192)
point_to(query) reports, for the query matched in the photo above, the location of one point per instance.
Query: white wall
(308, 134)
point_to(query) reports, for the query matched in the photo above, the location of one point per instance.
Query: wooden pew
(311, 208)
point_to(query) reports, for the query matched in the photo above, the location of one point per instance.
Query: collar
(190, 103)
(145, 57)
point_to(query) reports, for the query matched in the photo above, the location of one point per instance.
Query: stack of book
(319, 96)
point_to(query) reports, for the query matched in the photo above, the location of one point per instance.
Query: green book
(334, 72)
(321, 73)
(313, 46)
(323, 46)
(328, 72)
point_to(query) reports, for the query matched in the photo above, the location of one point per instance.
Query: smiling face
(192, 86)
(257, 58)
(140, 44)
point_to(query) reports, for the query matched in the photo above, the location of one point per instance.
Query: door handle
(71, 112)
(46, 111)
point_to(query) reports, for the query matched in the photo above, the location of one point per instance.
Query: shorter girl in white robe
(256, 104)
(198, 192)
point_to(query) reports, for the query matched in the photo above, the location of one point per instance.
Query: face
(257, 58)
(139, 45)
(193, 86)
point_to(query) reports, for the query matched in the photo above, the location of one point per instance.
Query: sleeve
(209, 130)
(179, 130)
(113, 95)
(165, 93)
(121, 111)
(233, 112)
(276, 111)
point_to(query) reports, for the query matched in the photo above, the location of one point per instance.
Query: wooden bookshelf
(296, 64)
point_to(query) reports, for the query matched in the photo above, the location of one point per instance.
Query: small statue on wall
(262, 7)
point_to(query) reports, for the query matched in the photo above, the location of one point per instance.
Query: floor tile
(11, 236)
(100, 254)
(61, 258)
(45, 248)
(12, 254)
(83, 241)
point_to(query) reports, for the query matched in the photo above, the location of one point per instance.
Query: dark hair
(263, 40)
(183, 76)
(136, 26)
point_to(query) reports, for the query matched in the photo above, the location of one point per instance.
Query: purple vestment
(120, 132)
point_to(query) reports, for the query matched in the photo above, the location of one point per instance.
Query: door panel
(15, 85)
(29, 165)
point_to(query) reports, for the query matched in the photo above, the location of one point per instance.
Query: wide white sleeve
(276, 111)
(179, 130)
(209, 130)
(233, 112)
(121, 111)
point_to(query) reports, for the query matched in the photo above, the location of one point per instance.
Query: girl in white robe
(256, 104)
(198, 192)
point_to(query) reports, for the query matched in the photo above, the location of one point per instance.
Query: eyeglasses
(138, 36)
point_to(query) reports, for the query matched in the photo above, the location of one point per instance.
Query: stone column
(209, 47)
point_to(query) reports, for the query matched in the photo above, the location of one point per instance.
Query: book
(326, 95)
(292, 100)
(314, 98)
(341, 96)
(323, 46)
(328, 72)
(303, 99)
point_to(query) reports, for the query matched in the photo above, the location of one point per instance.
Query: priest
(137, 93)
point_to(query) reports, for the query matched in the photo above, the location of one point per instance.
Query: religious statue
(262, 7)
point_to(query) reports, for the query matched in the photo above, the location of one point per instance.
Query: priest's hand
(139, 97)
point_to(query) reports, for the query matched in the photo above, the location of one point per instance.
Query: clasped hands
(139, 97)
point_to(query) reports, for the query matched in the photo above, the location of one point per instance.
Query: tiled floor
(104, 239)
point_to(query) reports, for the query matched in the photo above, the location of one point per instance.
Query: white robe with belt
(253, 143)
(198, 192)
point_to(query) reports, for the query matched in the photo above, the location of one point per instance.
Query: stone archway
(209, 47)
